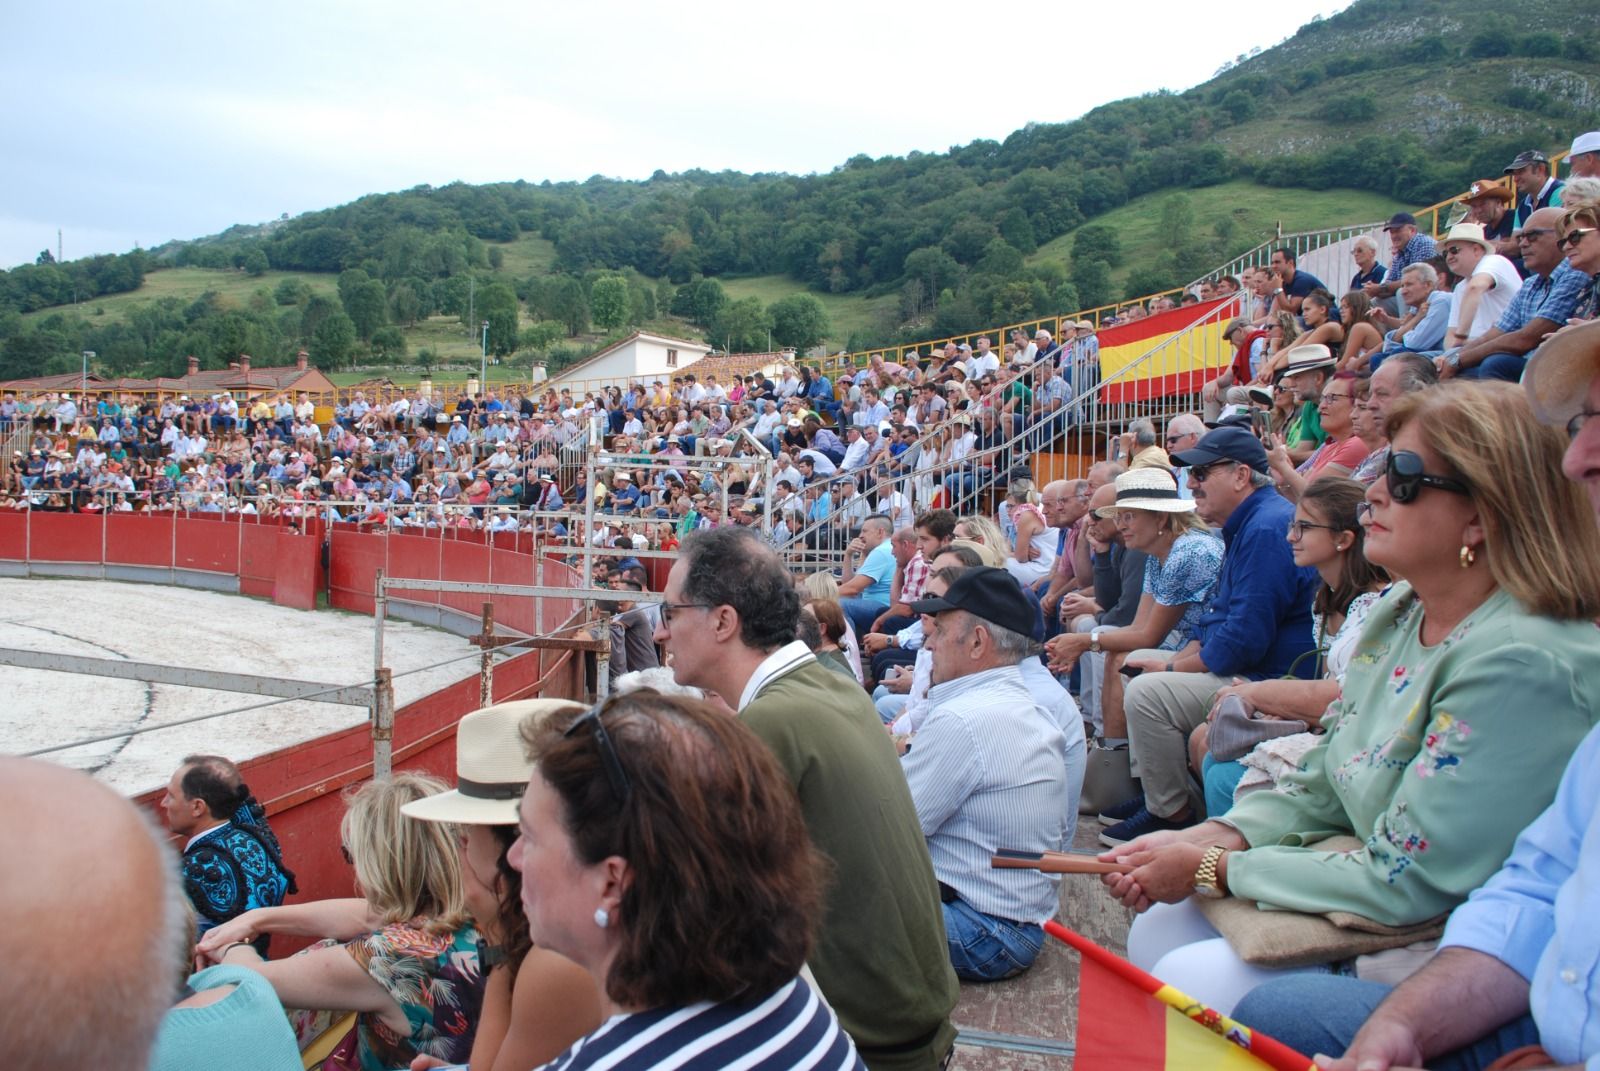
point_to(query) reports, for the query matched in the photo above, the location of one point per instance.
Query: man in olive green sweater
(728, 624)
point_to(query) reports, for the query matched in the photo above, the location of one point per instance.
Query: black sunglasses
(1574, 236)
(621, 787)
(1406, 478)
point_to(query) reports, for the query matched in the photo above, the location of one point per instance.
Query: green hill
(1389, 103)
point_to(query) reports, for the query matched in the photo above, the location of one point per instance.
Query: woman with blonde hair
(410, 963)
(983, 531)
(1470, 686)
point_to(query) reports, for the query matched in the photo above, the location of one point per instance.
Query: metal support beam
(250, 684)
(486, 666)
(398, 583)
(383, 726)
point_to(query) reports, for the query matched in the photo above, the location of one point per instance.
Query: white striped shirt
(988, 770)
(788, 1029)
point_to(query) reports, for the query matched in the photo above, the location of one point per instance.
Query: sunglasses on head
(621, 787)
(1406, 478)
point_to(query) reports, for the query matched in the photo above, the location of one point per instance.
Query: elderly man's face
(1413, 289)
(1399, 236)
(1582, 460)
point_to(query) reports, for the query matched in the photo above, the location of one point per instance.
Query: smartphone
(1129, 671)
(1261, 422)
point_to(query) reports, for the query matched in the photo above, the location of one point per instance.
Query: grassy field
(846, 312)
(526, 255)
(1256, 211)
(188, 284)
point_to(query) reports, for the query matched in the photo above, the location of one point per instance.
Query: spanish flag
(1129, 1021)
(1169, 353)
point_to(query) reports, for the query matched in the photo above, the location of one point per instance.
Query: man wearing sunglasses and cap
(1256, 625)
(990, 769)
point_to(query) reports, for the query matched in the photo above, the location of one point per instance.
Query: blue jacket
(1259, 620)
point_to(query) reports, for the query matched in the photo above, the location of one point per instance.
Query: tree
(291, 292)
(389, 343)
(1095, 241)
(609, 302)
(349, 279)
(255, 261)
(317, 309)
(798, 320)
(933, 268)
(367, 305)
(1092, 278)
(497, 304)
(333, 341)
(405, 307)
(742, 326)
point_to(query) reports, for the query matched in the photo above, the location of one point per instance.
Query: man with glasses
(728, 623)
(1547, 299)
(1488, 284)
(1183, 432)
(1257, 623)
(1401, 374)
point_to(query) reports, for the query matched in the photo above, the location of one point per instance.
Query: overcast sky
(138, 123)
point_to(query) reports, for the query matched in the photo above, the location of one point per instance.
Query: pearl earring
(602, 917)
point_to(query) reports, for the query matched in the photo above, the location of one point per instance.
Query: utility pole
(483, 376)
(472, 293)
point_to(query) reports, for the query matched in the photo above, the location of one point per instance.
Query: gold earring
(1467, 556)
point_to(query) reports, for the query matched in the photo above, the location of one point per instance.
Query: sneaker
(1122, 811)
(1141, 823)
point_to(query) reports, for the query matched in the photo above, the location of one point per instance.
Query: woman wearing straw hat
(1180, 575)
(536, 1002)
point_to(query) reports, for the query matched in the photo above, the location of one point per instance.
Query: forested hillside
(1403, 99)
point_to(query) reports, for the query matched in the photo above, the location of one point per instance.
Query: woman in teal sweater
(1472, 683)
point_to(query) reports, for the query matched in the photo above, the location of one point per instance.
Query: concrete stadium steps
(1030, 1023)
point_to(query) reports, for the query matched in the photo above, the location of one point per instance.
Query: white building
(640, 356)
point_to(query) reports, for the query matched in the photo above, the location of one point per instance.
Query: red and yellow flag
(1129, 1021)
(1168, 353)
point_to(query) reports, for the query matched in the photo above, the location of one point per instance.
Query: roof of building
(209, 381)
(568, 372)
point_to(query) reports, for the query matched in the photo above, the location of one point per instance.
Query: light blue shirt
(880, 567)
(1537, 914)
(1428, 334)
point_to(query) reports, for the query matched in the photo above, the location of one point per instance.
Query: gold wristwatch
(1205, 879)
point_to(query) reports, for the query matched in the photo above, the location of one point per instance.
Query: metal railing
(1154, 385)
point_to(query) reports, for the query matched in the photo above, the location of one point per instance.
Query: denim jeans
(986, 949)
(1320, 1014)
(1506, 366)
(861, 613)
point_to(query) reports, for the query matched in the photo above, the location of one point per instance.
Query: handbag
(1239, 727)
(1107, 779)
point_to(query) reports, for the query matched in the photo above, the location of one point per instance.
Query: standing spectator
(1536, 186)
(1408, 247)
(1547, 299)
(989, 769)
(729, 623)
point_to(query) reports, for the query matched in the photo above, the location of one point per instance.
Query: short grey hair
(1424, 271)
(1364, 242)
(1144, 431)
(1011, 647)
(1186, 424)
(1261, 479)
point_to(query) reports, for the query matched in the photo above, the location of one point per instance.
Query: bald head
(1542, 254)
(92, 923)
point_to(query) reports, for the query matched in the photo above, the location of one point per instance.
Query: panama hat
(1468, 232)
(1153, 489)
(491, 768)
(1309, 358)
(1558, 376)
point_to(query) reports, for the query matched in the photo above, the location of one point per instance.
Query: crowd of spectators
(1324, 647)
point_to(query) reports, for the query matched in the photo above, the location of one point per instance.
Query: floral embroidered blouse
(437, 979)
(1436, 757)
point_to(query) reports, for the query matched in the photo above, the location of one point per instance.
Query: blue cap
(1225, 444)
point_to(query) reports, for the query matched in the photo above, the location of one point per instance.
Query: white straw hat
(492, 770)
(1153, 489)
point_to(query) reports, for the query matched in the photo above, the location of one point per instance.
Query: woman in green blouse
(1473, 681)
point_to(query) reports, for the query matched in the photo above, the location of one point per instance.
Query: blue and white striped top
(788, 1029)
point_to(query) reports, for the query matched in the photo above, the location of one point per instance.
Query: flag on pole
(1129, 1021)
(1169, 353)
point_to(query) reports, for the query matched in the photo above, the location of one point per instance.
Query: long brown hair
(726, 887)
(1539, 536)
(1335, 500)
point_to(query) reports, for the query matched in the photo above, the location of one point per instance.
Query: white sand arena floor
(196, 630)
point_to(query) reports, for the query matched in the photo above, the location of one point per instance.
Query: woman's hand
(239, 928)
(1162, 875)
(1240, 687)
(1278, 456)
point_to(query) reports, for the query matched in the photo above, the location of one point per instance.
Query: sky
(134, 124)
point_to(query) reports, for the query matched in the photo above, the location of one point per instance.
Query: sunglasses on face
(1536, 232)
(1406, 478)
(1574, 236)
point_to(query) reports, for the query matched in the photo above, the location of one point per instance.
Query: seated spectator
(629, 803)
(901, 696)
(1409, 373)
(869, 567)
(1322, 328)
(1546, 301)
(988, 770)
(231, 860)
(1141, 446)
(69, 1002)
(1583, 158)
(1407, 247)
(1489, 204)
(1326, 536)
(1365, 253)
(822, 629)
(1537, 187)
(1182, 562)
(1423, 330)
(1256, 625)
(1288, 286)
(1498, 984)
(1488, 284)
(1033, 553)
(1340, 454)
(1474, 680)
(1306, 372)
(1367, 425)
(1249, 352)
(1580, 239)
(410, 965)
(1363, 336)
